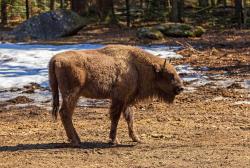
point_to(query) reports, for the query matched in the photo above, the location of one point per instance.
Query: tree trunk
(180, 9)
(174, 11)
(4, 17)
(168, 5)
(113, 10)
(203, 3)
(12, 10)
(106, 9)
(62, 4)
(141, 4)
(239, 12)
(128, 12)
(79, 6)
(224, 2)
(52, 5)
(27, 9)
(245, 11)
(212, 3)
(39, 3)
(177, 10)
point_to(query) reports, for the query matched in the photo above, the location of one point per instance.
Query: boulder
(180, 30)
(149, 33)
(49, 25)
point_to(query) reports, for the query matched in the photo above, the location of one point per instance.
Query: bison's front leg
(129, 117)
(115, 112)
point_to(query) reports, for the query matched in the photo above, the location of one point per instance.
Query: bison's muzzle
(178, 90)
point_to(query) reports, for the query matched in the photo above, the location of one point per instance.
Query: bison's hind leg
(128, 114)
(66, 112)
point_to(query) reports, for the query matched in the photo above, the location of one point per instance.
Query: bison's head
(168, 82)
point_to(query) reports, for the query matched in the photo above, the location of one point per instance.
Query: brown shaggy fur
(124, 74)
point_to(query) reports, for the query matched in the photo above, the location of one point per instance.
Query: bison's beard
(166, 97)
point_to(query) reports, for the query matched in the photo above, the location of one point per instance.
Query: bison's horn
(164, 63)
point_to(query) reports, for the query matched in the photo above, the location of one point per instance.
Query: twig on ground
(186, 45)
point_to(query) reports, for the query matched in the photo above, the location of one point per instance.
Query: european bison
(124, 74)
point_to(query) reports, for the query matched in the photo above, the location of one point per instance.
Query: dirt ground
(200, 129)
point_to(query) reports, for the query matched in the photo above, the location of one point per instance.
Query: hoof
(75, 144)
(114, 142)
(137, 140)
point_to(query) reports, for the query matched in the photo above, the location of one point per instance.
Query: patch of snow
(188, 74)
(38, 96)
(21, 64)
(7, 95)
(189, 89)
(242, 102)
(201, 82)
(246, 84)
(162, 51)
(29, 104)
(224, 82)
(219, 98)
(93, 102)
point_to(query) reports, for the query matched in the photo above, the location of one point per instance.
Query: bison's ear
(157, 68)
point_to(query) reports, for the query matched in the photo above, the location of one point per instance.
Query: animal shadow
(44, 146)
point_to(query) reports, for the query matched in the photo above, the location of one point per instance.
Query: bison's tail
(54, 89)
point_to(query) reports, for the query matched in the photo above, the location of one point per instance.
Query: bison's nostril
(179, 90)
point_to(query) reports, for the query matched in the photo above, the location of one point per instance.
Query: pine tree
(4, 12)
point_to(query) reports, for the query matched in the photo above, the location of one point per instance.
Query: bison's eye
(170, 76)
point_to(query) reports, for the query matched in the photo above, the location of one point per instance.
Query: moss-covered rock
(198, 31)
(149, 33)
(180, 30)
